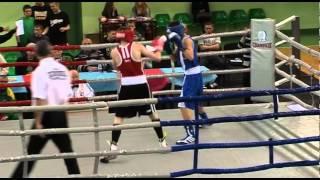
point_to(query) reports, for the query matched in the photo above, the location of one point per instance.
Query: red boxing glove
(159, 43)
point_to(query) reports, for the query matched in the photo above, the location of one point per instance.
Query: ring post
(96, 139)
(196, 150)
(262, 71)
(271, 160)
(24, 146)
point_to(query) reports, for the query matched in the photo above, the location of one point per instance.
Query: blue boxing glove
(176, 39)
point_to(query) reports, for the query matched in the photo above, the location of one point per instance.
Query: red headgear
(125, 35)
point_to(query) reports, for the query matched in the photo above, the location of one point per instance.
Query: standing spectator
(2, 29)
(91, 54)
(59, 25)
(40, 12)
(8, 35)
(141, 9)
(200, 11)
(28, 25)
(38, 34)
(144, 28)
(109, 12)
(211, 44)
(50, 85)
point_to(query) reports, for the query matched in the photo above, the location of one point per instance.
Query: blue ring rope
(269, 143)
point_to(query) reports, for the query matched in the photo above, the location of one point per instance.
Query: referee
(50, 85)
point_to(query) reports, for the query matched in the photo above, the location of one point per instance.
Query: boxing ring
(272, 124)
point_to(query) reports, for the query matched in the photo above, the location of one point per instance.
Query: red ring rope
(10, 49)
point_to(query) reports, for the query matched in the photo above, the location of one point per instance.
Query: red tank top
(129, 67)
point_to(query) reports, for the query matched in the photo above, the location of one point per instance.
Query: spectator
(40, 12)
(245, 42)
(3, 70)
(91, 54)
(28, 25)
(211, 44)
(200, 11)
(59, 25)
(28, 56)
(80, 90)
(6, 94)
(141, 9)
(57, 55)
(109, 12)
(38, 34)
(2, 29)
(8, 35)
(137, 35)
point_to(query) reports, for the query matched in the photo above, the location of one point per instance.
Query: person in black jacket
(7, 36)
(90, 55)
(200, 11)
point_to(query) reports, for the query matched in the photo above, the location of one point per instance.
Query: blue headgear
(179, 29)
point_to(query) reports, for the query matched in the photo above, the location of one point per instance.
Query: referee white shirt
(51, 82)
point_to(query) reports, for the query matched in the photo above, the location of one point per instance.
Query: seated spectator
(109, 12)
(138, 36)
(245, 42)
(8, 35)
(40, 12)
(28, 25)
(59, 25)
(90, 55)
(211, 44)
(6, 94)
(3, 70)
(140, 9)
(201, 12)
(80, 90)
(38, 34)
(27, 56)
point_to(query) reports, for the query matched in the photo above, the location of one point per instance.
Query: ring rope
(95, 62)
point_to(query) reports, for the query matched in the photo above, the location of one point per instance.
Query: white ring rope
(282, 23)
(291, 59)
(298, 45)
(83, 155)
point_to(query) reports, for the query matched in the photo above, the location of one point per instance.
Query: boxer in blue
(192, 83)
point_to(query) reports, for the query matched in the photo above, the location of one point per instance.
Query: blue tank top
(187, 64)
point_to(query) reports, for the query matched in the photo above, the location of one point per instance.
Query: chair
(257, 13)
(220, 20)
(185, 18)
(162, 21)
(238, 19)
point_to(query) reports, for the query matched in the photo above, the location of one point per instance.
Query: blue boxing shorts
(192, 86)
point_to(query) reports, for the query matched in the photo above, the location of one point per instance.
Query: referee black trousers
(62, 141)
